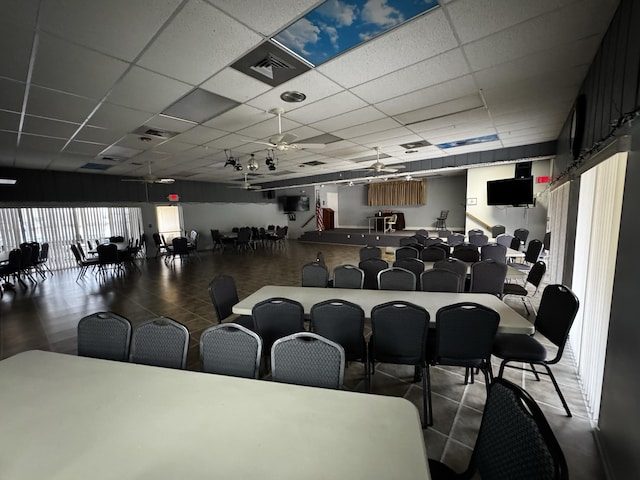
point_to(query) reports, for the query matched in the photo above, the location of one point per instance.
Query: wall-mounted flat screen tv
(510, 191)
(294, 203)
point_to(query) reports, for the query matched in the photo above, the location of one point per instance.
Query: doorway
(169, 219)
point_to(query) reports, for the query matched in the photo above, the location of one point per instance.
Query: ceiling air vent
(154, 132)
(271, 64)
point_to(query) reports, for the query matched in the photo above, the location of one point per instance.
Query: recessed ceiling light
(293, 96)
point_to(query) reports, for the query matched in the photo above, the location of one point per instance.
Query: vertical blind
(558, 211)
(63, 226)
(398, 193)
(599, 209)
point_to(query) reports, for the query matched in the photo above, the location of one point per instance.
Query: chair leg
(535, 372)
(555, 384)
(426, 397)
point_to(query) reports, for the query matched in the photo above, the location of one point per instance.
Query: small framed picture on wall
(292, 217)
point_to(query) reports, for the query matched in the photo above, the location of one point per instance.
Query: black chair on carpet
(371, 267)
(558, 308)
(534, 278)
(370, 251)
(348, 276)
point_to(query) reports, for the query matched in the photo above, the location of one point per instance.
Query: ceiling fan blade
(139, 180)
(165, 181)
(287, 138)
(272, 145)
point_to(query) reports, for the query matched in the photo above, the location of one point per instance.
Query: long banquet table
(65, 417)
(510, 320)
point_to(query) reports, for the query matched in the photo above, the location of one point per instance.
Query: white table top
(65, 417)
(512, 272)
(510, 320)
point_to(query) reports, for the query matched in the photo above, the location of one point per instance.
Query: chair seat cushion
(518, 346)
(515, 289)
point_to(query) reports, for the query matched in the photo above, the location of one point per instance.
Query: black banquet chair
(440, 280)
(371, 267)
(370, 251)
(309, 359)
(342, 322)
(348, 276)
(161, 342)
(105, 335)
(558, 308)
(399, 336)
(315, 274)
(224, 295)
(488, 276)
(231, 349)
(275, 318)
(456, 266)
(396, 278)
(514, 442)
(534, 277)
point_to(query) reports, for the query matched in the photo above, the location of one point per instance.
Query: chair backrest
(456, 266)
(432, 241)
(223, 293)
(315, 275)
(116, 238)
(546, 241)
(455, 239)
(497, 230)
(504, 239)
(161, 341)
(558, 308)
(35, 252)
(407, 252)
(275, 318)
(443, 214)
(410, 240)
(516, 243)
(475, 231)
(370, 251)
(466, 252)
(107, 253)
(14, 261)
(515, 439)
(488, 276)
(534, 277)
(342, 322)
(44, 253)
(493, 251)
(442, 246)
(244, 235)
(399, 333)
(522, 234)
(26, 260)
(231, 349)
(432, 254)
(422, 232)
(348, 276)
(180, 245)
(414, 265)
(76, 253)
(440, 280)
(396, 278)
(464, 334)
(533, 251)
(306, 358)
(104, 335)
(156, 239)
(371, 267)
(479, 239)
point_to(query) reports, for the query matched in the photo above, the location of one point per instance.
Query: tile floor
(45, 317)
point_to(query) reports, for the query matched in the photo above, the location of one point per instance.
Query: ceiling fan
(379, 167)
(150, 178)
(246, 185)
(284, 141)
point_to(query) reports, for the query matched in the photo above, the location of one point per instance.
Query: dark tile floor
(45, 316)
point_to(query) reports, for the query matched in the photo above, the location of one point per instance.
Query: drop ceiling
(81, 81)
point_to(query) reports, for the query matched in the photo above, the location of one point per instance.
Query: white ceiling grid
(102, 69)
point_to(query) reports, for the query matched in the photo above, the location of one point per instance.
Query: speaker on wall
(523, 170)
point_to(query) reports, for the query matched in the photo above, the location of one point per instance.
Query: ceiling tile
(433, 71)
(424, 37)
(85, 148)
(73, 69)
(45, 144)
(342, 102)
(199, 135)
(348, 119)
(98, 135)
(161, 122)
(135, 141)
(17, 25)
(237, 118)
(50, 128)
(57, 105)
(367, 128)
(119, 118)
(11, 94)
(173, 146)
(442, 92)
(9, 121)
(193, 42)
(237, 86)
(267, 16)
(103, 26)
(147, 91)
(322, 88)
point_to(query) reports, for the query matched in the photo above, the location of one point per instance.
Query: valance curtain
(412, 192)
(62, 226)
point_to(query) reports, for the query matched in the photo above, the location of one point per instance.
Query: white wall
(533, 219)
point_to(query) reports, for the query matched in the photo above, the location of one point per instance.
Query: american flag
(319, 220)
